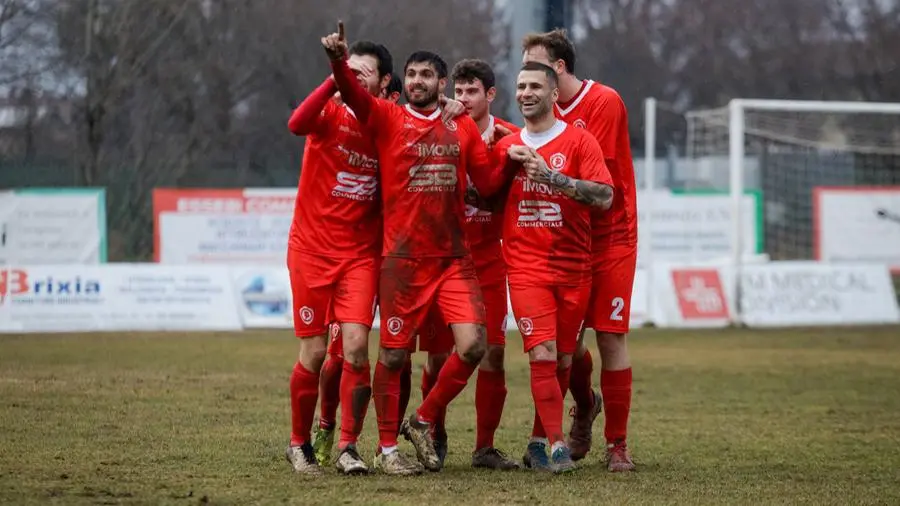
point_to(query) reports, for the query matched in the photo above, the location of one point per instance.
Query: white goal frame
(736, 150)
(736, 142)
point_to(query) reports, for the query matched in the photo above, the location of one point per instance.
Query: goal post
(819, 166)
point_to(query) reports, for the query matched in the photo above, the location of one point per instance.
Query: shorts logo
(335, 330)
(526, 326)
(557, 161)
(394, 325)
(306, 315)
(579, 123)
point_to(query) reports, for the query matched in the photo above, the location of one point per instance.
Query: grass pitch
(795, 416)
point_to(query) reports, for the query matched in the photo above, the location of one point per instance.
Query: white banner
(248, 226)
(691, 226)
(810, 293)
(858, 224)
(67, 298)
(48, 226)
(263, 296)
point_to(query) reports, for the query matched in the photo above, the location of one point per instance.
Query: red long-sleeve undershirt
(305, 116)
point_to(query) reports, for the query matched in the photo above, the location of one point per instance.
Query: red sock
(537, 429)
(615, 387)
(429, 378)
(330, 391)
(580, 382)
(386, 392)
(304, 394)
(355, 395)
(490, 395)
(405, 387)
(548, 401)
(450, 382)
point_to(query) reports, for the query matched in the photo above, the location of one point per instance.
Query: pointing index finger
(341, 30)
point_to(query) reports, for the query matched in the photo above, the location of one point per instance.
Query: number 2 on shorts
(618, 305)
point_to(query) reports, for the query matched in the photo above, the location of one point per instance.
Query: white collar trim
(578, 99)
(539, 140)
(430, 117)
(490, 126)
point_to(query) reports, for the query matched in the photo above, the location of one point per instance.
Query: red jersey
(336, 212)
(546, 234)
(599, 110)
(483, 228)
(423, 167)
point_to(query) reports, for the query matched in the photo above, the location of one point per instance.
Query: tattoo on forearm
(593, 194)
(560, 180)
(586, 192)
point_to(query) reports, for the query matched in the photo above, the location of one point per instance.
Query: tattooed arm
(586, 192)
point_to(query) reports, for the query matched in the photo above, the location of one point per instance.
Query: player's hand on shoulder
(500, 132)
(335, 44)
(493, 135)
(450, 108)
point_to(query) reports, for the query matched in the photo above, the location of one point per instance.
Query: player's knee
(473, 352)
(392, 359)
(609, 343)
(356, 344)
(313, 351)
(493, 359)
(543, 352)
(315, 357)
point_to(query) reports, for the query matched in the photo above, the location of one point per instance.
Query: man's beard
(428, 98)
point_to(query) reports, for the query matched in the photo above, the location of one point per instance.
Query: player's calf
(304, 391)
(616, 385)
(588, 403)
(386, 393)
(433, 366)
(490, 397)
(356, 392)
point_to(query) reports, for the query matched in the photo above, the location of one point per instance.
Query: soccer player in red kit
(599, 110)
(474, 86)
(423, 161)
(333, 257)
(547, 247)
(330, 379)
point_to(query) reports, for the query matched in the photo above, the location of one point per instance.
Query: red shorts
(550, 313)
(327, 289)
(436, 336)
(613, 281)
(410, 287)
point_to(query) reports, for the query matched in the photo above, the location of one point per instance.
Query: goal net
(823, 177)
